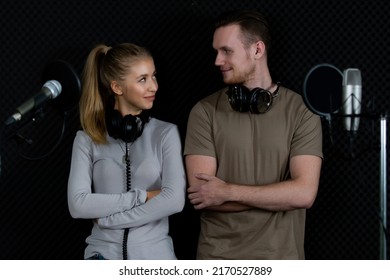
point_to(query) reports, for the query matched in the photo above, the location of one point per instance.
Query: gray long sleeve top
(97, 190)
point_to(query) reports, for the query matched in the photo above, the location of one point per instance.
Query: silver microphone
(50, 90)
(351, 99)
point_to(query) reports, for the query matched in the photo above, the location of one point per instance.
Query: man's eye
(227, 51)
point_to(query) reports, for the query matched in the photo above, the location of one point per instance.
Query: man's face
(235, 61)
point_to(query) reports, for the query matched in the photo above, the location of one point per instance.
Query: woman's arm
(82, 202)
(172, 196)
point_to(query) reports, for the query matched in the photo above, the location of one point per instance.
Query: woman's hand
(151, 194)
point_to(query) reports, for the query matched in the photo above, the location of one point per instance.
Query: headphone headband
(128, 128)
(256, 101)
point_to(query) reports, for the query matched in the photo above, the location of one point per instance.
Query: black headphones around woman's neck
(128, 127)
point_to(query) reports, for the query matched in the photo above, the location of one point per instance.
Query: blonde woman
(127, 172)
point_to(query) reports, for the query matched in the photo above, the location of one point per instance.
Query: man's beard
(234, 81)
(239, 78)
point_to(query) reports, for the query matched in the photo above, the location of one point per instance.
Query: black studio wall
(35, 222)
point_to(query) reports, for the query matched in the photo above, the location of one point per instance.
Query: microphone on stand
(351, 99)
(50, 90)
(61, 86)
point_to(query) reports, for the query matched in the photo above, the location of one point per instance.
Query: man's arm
(198, 164)
(300, 191)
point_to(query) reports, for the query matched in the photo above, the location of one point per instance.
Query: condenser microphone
(351, 99)
(50, 90)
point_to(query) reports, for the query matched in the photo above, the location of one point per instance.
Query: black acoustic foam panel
(35, 222)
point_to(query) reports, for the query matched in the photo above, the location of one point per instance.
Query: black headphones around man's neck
(256, 101)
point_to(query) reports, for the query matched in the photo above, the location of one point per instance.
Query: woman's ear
(116, 88)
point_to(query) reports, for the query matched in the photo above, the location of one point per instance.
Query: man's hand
(212, 192)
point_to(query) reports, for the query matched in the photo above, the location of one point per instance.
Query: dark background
(34, 218)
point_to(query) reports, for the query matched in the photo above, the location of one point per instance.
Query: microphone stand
(383, 190)
(382, 179)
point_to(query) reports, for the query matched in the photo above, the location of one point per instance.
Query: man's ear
(116, 88)
(260, 48)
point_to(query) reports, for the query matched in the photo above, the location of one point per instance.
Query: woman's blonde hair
(104, 64)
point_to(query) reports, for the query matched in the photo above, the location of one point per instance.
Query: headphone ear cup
(261, 101)
(130, 128)
(239, 98)
(127, 128)
(114, 123)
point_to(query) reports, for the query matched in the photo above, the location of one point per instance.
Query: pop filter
(64, 73)
(322, 89)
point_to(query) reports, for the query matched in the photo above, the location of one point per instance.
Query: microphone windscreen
(352, 77)
(351, 98)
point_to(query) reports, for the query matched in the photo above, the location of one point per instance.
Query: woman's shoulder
(161, 128)
(82, 134)
(157, 123)
(82, 137)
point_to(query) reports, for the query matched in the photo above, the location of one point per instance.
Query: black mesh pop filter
(64, 73)
(322, 89)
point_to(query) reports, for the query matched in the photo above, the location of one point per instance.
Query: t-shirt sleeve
(307, 138)
(199, 136)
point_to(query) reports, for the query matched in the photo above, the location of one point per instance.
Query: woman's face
(138, 90)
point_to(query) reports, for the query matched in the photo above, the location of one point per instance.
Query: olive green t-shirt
(253, 149)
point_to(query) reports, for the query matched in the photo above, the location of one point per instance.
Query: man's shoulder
(214, 96)
(212, 99)
(290, 96)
